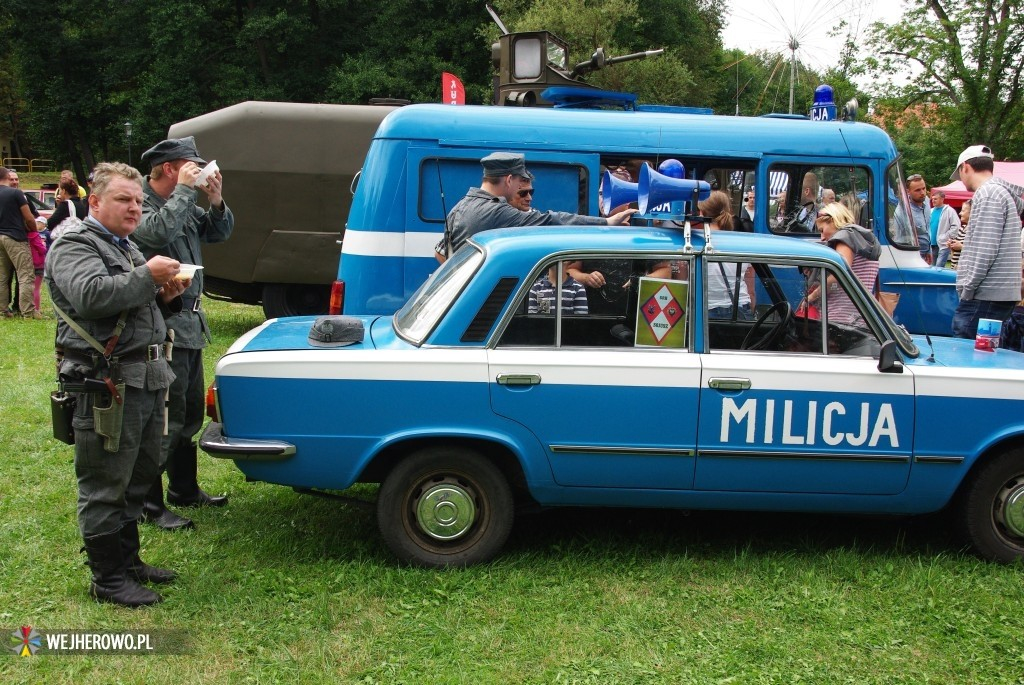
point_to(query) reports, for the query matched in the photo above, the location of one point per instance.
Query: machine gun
(530, 62)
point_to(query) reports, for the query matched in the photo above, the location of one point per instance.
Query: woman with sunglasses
(860, 250)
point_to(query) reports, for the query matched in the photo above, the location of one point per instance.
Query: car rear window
(431, 301)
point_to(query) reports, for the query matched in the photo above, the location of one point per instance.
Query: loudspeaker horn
(655, 189)
(616, 192)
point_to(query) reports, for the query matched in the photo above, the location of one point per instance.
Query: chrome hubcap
(445, 511)
(1011, 510)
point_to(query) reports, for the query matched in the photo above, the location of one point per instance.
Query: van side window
(445, 181)
(798, 191)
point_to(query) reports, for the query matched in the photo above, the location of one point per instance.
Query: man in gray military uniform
(174, 225)
(103, 284)
(489, 206)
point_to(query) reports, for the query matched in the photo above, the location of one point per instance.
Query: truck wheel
(992, 508)
(445, 507)
(295, 299)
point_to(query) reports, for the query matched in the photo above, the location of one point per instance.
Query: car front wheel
(444, 507)
(992, 510)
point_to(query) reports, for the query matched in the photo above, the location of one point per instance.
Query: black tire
(992, 508)
(445, 507)
(295, 299)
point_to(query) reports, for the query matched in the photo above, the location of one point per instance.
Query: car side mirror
(889, 358)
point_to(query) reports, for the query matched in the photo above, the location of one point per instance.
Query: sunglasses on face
(525, 192)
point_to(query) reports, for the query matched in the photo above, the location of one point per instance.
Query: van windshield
(899, 222)
(431, 301)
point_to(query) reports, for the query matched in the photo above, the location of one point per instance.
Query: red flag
(452, 90)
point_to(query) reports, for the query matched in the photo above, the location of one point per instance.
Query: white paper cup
(187, 271)
(209, 170)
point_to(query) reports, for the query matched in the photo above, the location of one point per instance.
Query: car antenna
(444, 209)
(927, 336)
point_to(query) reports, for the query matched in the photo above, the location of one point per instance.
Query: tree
(967, 58)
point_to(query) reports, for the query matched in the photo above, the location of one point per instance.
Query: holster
(107, 420)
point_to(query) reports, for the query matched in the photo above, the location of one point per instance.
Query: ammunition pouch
(62, 412)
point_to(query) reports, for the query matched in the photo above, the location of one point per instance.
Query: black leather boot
(137, 568)
(154, 511)
(110, 582)
(182, 480)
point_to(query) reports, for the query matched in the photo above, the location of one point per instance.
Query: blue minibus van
(424, 158)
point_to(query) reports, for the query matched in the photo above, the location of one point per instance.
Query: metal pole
(793, 45)
(128, 135)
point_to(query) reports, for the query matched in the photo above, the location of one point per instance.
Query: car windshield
(424, 310)
(37, 203)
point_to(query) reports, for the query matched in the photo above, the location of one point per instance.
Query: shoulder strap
(109, 348)
(71, 210)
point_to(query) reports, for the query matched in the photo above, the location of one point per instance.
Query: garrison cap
(170, 150)
(499, 164)
(335, 331)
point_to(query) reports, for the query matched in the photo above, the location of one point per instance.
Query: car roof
(535, 243)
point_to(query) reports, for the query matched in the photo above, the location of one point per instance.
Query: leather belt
(191, 304)
(148, 354)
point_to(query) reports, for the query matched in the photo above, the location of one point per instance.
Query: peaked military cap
(170, 150)
(499, 164)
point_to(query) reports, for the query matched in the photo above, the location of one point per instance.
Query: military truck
(289, 170)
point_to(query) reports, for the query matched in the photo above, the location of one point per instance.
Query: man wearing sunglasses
(490, 206)
(523, 199)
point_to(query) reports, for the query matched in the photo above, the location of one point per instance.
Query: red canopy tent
(957, 194)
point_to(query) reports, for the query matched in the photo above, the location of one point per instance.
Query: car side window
(777, 307)
(595, 302)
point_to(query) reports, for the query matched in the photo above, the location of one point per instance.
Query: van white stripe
(389, 244)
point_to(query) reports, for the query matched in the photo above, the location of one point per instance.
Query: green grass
(285, 588)
(36, 179)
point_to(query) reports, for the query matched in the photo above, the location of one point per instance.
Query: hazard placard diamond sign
(661, 316)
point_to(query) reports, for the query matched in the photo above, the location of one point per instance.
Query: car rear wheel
(444, 507)
(992, 509)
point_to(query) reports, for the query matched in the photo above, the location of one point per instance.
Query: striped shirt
(989, 267)
(840, 307)
(542, 297)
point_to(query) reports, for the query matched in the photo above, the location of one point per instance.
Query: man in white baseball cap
(988, 276)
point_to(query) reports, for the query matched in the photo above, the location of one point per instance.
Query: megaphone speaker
(616, 192)
(655, 189)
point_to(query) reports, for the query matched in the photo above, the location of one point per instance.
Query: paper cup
(209, 170)
(187, 271)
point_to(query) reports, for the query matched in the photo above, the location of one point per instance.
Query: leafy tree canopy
(966, 59)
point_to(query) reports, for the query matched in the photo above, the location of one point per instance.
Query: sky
(768, 24)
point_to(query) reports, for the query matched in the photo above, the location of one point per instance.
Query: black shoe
(200, 499)
(110, 582)
(162, 517)
(137, 568)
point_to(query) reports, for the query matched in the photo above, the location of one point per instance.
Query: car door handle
(729, 383)
(518, 379)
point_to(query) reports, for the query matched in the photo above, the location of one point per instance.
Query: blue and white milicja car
(477, 395)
